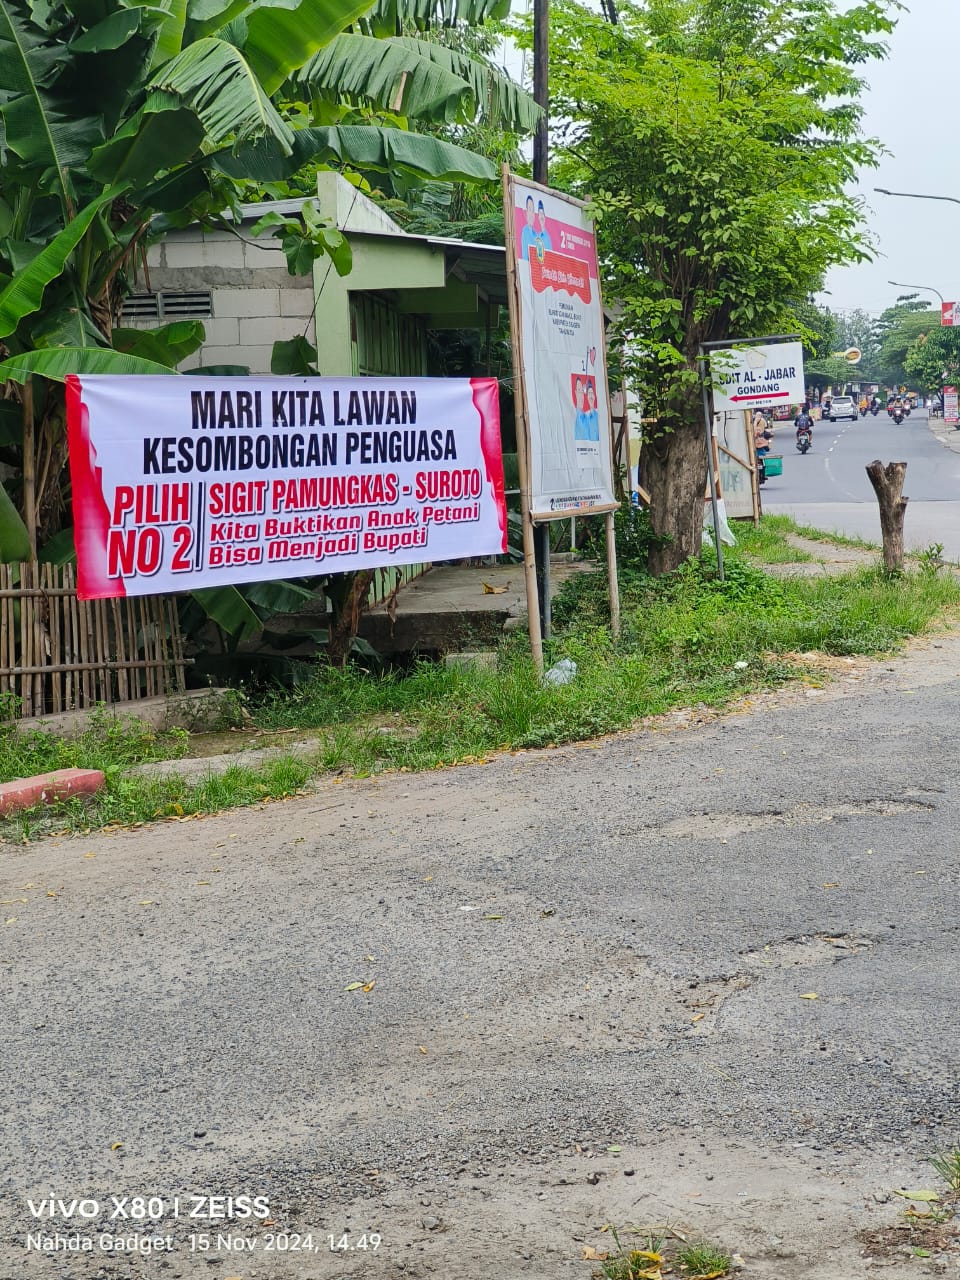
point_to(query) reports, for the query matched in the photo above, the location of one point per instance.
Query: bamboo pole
(614, 585)
(523, 431)
(29, 467)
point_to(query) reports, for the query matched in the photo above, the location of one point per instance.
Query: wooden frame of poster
(739, 457)
(524, 441)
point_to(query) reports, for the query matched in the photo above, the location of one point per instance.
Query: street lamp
(916, 195)
(925, 287)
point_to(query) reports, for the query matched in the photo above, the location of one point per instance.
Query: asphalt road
(704, 974)
(828, 487)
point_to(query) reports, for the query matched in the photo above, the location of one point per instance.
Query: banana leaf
(149, 143)
(229, 610)
(167, 345)
(43, 129)
(24, 294)
(391, 74)
(57, 363)
(390, 17)
(283, 34)
(365, 146)
(14, 539)
(218, 83)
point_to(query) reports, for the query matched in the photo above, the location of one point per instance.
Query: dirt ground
(590, 976)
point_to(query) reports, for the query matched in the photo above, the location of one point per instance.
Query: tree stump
(887, 484)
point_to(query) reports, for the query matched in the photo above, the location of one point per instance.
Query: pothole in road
(819, 948)
(723, 825)
(704, 999)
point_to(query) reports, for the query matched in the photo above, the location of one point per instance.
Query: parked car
(844, 407)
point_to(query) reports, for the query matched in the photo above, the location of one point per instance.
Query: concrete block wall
(255, 301)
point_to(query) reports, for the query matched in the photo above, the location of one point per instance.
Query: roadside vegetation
(688, 640)
(664, 1251)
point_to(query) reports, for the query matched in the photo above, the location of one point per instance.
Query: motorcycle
(804, 441)
(875, 410)
(906, 411)
(897, 416)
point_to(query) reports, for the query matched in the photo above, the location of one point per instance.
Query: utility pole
(541, 96)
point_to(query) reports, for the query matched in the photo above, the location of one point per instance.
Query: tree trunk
(887, 483)
(344, 627)
(673, 468)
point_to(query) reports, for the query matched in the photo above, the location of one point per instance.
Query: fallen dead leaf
(832, 884)
(368, 986)
(594, 1255)
(146, 902)
(927, 1196)
(422, 1049)
(115, 1146)
(353, 986)
(697, 1016)
(492, 591)
(810, 995)
(492, 917)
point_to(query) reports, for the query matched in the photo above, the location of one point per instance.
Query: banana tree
(111, 114)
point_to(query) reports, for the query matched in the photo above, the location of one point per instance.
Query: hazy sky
(910, 108)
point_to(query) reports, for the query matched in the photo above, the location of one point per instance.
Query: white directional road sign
(757, 377)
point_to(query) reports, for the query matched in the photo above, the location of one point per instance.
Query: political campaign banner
(757, 377)
(951, 412)
(950, 314)
(558, 334)
(182, 482)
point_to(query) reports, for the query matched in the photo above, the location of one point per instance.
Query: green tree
(897, 329)
(933, 359)
(717, 138)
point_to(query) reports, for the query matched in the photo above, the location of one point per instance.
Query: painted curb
(45, 788)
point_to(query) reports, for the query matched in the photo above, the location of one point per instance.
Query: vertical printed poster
(185, 482)
(950, 409)
(559, 316)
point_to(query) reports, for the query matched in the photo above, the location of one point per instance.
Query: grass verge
(688, 639)
(768, 541)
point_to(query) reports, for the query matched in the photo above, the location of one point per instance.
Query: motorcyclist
(803, 422)
(762, 435)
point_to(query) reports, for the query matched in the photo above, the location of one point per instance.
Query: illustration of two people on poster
(586, 424)
(535, 234)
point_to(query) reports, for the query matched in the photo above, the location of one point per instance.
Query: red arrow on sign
(770, 395)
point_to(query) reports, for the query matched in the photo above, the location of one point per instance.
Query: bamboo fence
(58, 653)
